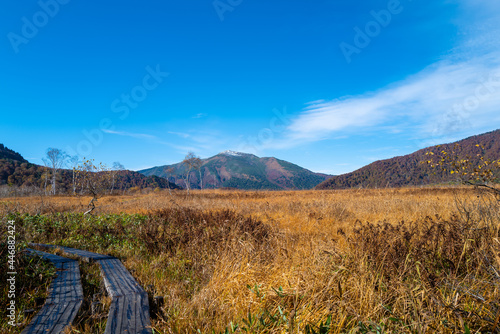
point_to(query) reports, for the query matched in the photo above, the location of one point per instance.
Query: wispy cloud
(199, 115)
(443, 98)
(460, 92)
(203, 141)
(130, 134)
(180, 134)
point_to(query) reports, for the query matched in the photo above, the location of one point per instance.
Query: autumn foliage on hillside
(6, 153)
(25, 174)
(18, 172)
(409, 171)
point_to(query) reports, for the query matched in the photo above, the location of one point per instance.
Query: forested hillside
(409, 171)
(8, 154)
(17, 171)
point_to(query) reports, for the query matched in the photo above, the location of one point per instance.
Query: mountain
(231, 169)
(17, 171)
(409, 171)
(8, 154)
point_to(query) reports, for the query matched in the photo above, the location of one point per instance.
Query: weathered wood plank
(85, 255)
(129, 310)
(64, 300)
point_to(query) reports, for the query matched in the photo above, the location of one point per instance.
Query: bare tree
(117, 166)
(95, 180)
(55, 160)
(197, 165)
(73, 162)
(168, 171)
(46, 178)
(45, 175)
(191, 161)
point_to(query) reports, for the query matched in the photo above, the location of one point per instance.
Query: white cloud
(204, 141)
(129, 134)
(180, 134)
(442, 98)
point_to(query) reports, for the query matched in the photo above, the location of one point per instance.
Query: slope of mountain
(17, 171)
(408, 170)
(8, 154)
(231, 169)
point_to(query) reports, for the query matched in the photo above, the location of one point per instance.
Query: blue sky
(329, 85)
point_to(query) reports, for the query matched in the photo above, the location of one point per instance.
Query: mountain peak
(232, 169)
(233, 153)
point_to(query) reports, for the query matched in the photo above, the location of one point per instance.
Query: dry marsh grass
(412, 260)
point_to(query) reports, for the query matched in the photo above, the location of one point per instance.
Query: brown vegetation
(298, 262)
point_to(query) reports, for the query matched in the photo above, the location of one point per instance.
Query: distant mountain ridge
(408, 170)
(230, 169)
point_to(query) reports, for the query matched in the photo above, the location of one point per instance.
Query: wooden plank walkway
(85, 255)
(65, 297)
(129, 310)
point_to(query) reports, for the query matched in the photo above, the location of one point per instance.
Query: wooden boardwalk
(85, 255)
(65, 297)
(129, 310)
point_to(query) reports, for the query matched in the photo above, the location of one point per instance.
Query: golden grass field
(288, 261)
(288, 208)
